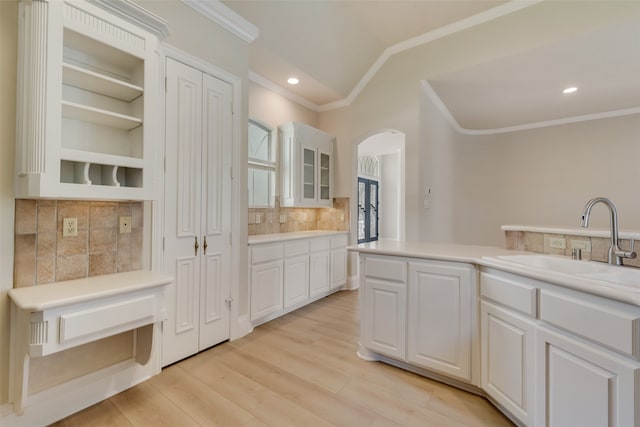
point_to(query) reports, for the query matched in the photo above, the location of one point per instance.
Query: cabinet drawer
(322, 244)
(386, 269)
(339, 241)
(264, 253)
(518, 296)
(615, 325)
(300, 247)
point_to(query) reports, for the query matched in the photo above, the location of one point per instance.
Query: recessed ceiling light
(570, 90)
(293, 81)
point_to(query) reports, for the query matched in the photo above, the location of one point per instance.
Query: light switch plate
(283, 219)
(558, 242)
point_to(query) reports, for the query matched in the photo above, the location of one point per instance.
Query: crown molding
(136, 15)
(222, 15)
(433, 96)
(480, 18)
(268, 84)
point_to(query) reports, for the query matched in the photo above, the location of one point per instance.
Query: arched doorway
(379, 186)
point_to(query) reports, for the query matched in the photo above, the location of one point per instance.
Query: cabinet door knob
(204, 245)
(196, 246)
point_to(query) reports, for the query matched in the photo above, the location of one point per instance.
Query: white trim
(433, 96)
(228, 19)
(273, 87)
(136, 15)
(480, 18)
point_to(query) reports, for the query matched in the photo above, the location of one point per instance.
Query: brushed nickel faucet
(616, 254)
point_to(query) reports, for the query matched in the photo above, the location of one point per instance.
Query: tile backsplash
(541, 243)
(42, 255)
(267, 220)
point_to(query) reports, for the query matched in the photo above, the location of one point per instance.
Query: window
(262, 166)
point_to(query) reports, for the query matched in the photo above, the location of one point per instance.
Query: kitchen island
(547, 347)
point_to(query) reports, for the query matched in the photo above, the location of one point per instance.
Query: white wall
(389, 196)
(480, 183)
(273, 109)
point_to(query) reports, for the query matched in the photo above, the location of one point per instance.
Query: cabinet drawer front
(296, 248)
(612, 324)
(386, 269)
(100, 320)
(339, 241)
(322, 244)
(266, 253)
(515, 295)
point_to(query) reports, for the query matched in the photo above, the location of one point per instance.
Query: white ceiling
(332, 46)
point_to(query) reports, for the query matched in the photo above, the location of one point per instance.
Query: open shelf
(92, 81)
(106, 159)
(86, 173)
(99, 116)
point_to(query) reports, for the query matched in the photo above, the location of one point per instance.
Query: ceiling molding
(433, 96)
(480, 18)
(222, 15)
(136, 15)
(268, 84)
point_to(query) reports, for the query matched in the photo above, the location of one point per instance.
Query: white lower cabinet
(507, 355)
(266, 289)
(441, 303)
(339, 261)
(385, 317)
(286, 276)
(580, 384)
(420, 312)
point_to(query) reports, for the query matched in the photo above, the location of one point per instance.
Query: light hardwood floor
(298, 370)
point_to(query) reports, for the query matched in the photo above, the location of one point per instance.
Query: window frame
(265, 165)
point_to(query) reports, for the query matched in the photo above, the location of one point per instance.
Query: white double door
(197, 210)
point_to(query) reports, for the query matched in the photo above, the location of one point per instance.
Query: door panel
(196, 210)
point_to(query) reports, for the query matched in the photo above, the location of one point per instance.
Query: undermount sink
(625, 276)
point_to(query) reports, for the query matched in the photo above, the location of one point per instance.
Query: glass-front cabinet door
(367, 210)
(325, 178)
(309, 174)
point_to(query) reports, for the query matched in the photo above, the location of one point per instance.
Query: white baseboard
(244, 327)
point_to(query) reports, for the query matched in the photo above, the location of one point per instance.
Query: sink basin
(556, 263)
(592, 270)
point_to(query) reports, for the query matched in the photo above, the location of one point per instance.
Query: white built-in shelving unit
(87, 113)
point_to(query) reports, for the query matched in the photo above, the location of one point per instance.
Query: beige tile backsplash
(540, 242)
(42, 255)
(267, 221)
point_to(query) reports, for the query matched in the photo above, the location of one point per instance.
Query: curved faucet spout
(616, 254)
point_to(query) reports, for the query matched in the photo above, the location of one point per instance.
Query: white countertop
(43, 297)
(486, 256)
(281, 237)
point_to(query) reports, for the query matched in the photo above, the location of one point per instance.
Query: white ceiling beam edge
(480, 18)
(268, 84)
(433, 96)
(222, 15)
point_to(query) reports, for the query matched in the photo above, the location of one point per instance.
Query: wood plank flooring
(298, 370)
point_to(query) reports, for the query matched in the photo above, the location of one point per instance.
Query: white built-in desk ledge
(50, 318)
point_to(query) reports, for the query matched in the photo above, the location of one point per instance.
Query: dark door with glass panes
(367, 210)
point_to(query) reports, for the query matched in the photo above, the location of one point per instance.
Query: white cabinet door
(338, 267)
(197, 220)
(385, 327)
(296, 280)
(507, 355)
(441, 301)
(266, 289)
(319, 280)
(583, 385)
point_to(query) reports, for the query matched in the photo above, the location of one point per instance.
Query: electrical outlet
(125, 224)
(583, 245)
(258, 218)
(69, 227)
(557, 242)
(283, 219)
